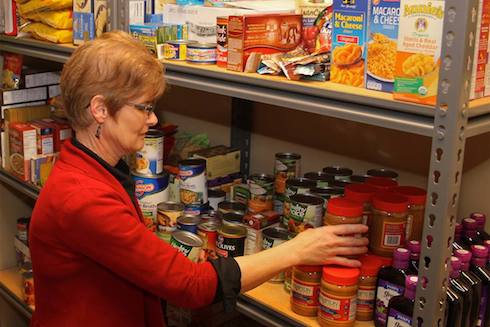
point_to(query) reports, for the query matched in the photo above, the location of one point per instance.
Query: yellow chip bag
(44, 5)
(60, 19)
(44, 32)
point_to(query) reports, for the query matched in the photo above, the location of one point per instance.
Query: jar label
(393, 235)
(304, 293)
(398, 319)
(408, 233)
(337, 308)
(365, 298)
(385, 292)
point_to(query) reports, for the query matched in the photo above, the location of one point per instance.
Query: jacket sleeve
(98, 224)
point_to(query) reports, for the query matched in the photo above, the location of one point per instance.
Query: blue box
(146, 34)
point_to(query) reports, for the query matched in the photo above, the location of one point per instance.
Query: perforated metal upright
(446, 162)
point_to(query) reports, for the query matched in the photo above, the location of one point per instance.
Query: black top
(227, 269)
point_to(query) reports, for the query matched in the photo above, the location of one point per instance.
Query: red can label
(337, 309)
(305, 294)
(393, 235)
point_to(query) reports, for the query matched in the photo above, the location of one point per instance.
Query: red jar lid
(382, 183)
(415, 195)
(391, 202)
(344, 207)
(360, 192)
(338, 275)
(371, 264)
(309, 268)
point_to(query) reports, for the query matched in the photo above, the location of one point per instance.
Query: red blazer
(95, 263)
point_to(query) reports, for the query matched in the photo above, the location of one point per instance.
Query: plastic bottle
(413, 266)
(472, 280)
(391, 283)
(454, 310)
(487, 245)
(400, 309)
(480, 219)
(458, 233)
(464, 291)
(478, 262)
(469, 233)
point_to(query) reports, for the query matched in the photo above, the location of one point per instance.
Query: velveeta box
(23, 146)
(419, 51)
(263, 34)
(348, 40)
(384, 16)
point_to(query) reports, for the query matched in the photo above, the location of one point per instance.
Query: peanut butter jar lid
(382, 183)
(415, 195)
(344, 207)
(390, 202)
(360, 192)
(343, 276)
(371, 264)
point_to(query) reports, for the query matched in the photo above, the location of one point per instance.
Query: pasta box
(348, 40)
(384, 16)
(262, 34)
(23, 146)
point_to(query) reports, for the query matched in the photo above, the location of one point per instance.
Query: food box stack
(90, 18)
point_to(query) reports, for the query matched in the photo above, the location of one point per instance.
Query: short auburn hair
(115, 66)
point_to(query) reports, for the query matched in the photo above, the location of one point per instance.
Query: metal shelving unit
(449, 124)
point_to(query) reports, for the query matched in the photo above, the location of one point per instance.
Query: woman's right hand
(329, 245)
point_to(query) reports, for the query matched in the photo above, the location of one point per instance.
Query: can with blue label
(188, 223)
(149, 160)
(196, 209)
(150, 190)
(192, 175)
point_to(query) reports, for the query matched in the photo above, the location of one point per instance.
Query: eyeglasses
(149, 108)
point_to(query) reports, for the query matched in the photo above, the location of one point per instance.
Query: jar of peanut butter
(416, 210)
(366, 292)
(338, 296)
(343, 211)
(389, 224)
(362, 193)
(305, 288)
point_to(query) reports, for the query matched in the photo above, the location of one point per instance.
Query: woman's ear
(98, 109)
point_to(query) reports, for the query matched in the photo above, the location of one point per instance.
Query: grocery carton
(22, 142)
(41, 166)
(317, 24)
(147, 34)
(61, 131)
(480, 57)
(419, 51)
(384, 16)
(348, 40)
(90, 19)
(221, 160)
(264, 34)
(44, 137)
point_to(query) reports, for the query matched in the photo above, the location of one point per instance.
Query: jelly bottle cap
(371, 264)
(486, 243)
(415, 195)
(411, 282)
(480, 219)
(463, 255)
(414, 246)
(341, 275)
(344, 207)
(458, 228)
(309, 268)
(382, 183)
(479, 251)
(390, 202)
(469, 224)
(479, 262)
(455, 263)
(401, 254)
(360, 192)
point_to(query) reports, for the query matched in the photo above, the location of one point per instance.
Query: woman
(94, 262)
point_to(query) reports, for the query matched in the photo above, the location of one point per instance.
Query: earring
(98, 131)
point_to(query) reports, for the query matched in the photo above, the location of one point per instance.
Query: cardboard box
(9, 97)
(61, 131)
(44, 137)
(480, 57)
(265, 34)
(348, 42)
(384, 16)
(22, 144)
(146, 34)
(419, 51)
(89, 20)
(32, 78)
(221, 160)
(41, 166)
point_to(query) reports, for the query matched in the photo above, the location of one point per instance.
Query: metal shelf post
(446, 163)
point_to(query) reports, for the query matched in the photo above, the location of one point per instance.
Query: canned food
(175, 50)
(196, 209)
(305, 211)
(222, 41)
(28, 288)
(193, 188)
(322, 179)
(201, 53)
(188, 223)
(382, 172)
(232, 218)
(167, 214)
(150, 190)
(326, 193)
(232, 206)
(299, 186)
(288, 165)
(149, 160)
(215, 197)
(339, 173)
(261, 188)
(23, 228)
(231, 240)
(358, 178)
(271, 237)
(208, 232)
(210, 216)
(187, 243)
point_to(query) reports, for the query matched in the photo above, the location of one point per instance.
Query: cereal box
(22, 142)
(349, 35)
(480, 57)
(61, 131)
(264, 34)
(384, 16)
(418, 51)
(41, 166)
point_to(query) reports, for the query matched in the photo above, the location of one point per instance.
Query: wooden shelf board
(11, 279)
(273, 296)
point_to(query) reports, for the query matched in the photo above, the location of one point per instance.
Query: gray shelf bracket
(241, 125)
(446, 162)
